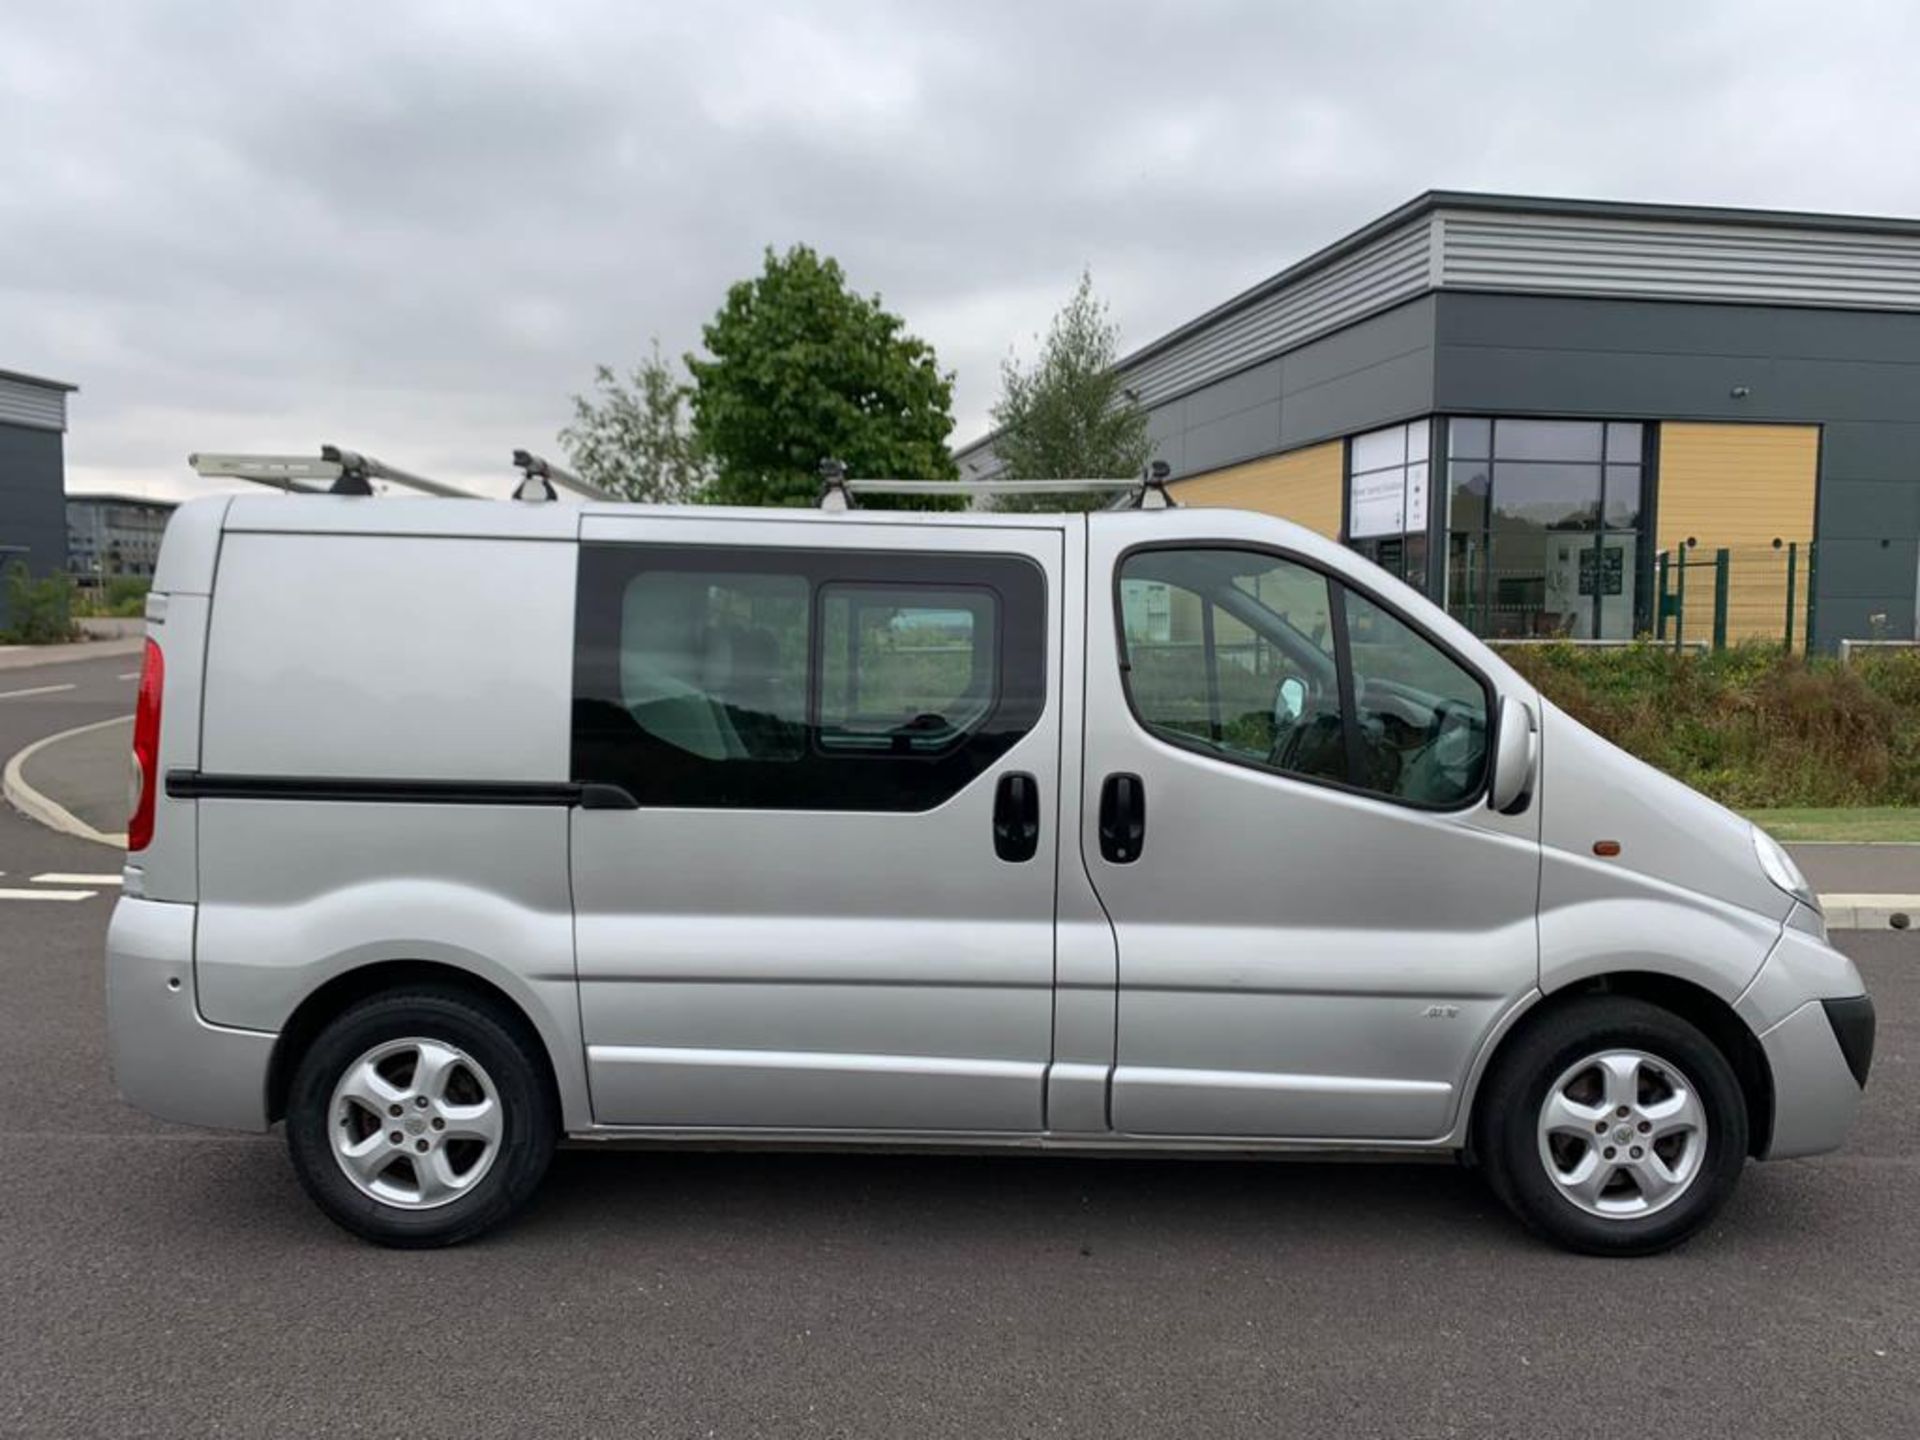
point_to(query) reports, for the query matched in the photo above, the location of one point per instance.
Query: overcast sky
(414, 228)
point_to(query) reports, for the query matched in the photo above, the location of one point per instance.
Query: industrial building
(33, 514)
(110, 536)
(1576, 419)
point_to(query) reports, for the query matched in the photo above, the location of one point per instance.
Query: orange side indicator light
(1606, 849)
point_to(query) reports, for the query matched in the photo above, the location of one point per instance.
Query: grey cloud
(416, 228)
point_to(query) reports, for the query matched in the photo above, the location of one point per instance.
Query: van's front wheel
(1613, 1127)
(420, 1118)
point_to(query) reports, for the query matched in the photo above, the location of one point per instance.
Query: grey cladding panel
(1393, 268)
(1373, 373)
(1241, 436)
(1401, 331)
(1851, 617)
(1871, 450)
(33, 505)
(1863, 567)
(1564, 322)
(40, 407)
(1392, 390)
(1258, 386)
(1848, 390)
(1867, 508)
(1775, 265)
(1586, 382)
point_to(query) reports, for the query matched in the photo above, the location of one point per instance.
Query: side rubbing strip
(194, 785)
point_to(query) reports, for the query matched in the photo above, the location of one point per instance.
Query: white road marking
(36, 690)
(56, 877)
(35, 806)
(47, 894)
(130, 675)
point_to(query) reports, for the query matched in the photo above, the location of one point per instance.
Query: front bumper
(1815, 1023)
(166, 1059)
(1815, 1096)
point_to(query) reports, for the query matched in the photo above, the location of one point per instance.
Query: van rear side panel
(386, 658)
(177, 609)
(390, 656)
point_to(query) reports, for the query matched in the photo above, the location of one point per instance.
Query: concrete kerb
(43, 808)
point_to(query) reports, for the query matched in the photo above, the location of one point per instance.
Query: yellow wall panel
(1302, 486)
(1739, 487)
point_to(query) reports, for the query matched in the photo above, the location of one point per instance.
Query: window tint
(1421, 716)
(1241, 655)
(790, 679)
(1232, 651)
(716, 665)
(904, 668)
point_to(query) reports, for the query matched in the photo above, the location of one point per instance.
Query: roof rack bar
(357, 471)
(1149, 491)
(538, 469)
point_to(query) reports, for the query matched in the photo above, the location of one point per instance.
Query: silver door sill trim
(813, 1060)
(1267, 1080)
(966, 1142)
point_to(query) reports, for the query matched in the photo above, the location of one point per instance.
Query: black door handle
(1016, 817)
(1123, 818)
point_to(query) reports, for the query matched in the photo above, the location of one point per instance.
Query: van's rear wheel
(1613, 1127)
(420, 1118)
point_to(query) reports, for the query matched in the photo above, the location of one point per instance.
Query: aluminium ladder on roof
(339, 471)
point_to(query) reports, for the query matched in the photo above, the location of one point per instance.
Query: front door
(1319, 919)
(831, 906)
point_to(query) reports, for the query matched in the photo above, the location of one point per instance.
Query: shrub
(1751, 726)
(127, 596)
(40, 612)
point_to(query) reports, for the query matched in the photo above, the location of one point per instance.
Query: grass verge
(1862, 824)
(1753, 727)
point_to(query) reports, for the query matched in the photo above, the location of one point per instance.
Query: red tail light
(146, 748)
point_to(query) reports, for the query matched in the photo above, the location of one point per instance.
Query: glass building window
(1387, 483)
(1544, 528)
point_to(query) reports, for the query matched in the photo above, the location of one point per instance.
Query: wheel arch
(348, 988)
(1695, 1004)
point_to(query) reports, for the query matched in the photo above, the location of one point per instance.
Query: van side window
(904, 667)
(1421, 715)
(1269, 663)
(716, 664)
(801, 679)
(1232, 651)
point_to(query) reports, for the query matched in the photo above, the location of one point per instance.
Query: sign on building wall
(1387, 502)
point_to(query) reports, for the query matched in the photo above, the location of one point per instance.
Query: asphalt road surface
(162, 1281)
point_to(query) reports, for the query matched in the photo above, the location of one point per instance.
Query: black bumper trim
(1852, 1021)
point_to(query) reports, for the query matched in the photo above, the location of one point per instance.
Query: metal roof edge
(22, 378)
(1487, 202)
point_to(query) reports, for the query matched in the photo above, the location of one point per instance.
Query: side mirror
(1289, 700)
(1516, 756)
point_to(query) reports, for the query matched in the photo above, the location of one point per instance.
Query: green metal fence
(1731, 595)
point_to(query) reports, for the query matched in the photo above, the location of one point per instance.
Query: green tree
(801, 369)
(632, 436)
(1068, 417)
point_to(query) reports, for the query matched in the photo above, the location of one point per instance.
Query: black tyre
(1612, 1127)
(422, 1117)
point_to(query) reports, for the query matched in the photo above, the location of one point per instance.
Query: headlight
(1780, 869)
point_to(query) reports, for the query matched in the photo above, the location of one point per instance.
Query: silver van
(463, 827)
